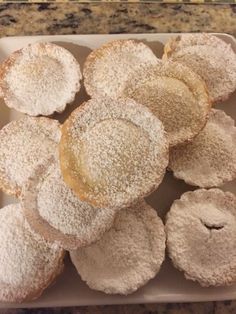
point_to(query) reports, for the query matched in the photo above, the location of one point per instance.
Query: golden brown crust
(210, 57)
(176, 95)
(69, 162)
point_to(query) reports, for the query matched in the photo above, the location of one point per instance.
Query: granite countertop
(74, 18)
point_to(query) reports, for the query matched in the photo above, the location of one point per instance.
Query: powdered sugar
(113, 151)
(127, 256)
(27, 262)
(56, 213)
(40, 79)
(210, 160)
(108, 67)
(214, 62)
(197, 39)
(175, 94)
(23, 145)
(201, 236)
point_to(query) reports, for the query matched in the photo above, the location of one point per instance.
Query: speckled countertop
(71, 18)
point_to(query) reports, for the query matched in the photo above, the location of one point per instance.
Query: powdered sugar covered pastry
(108, 67)
(208, 56)
(28, 264)
(40, 79)
(113, 152)
(176, 95)
(24, 144)
(127, 256)
(53, 210)
(210, 160)
(201, 39)
(201, 236)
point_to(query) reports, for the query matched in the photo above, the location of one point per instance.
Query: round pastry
(40, 79)
(208, 56)
(113, 152)
(108, 67)
(28, 264)
(176, 95)
(210, 160)
(201, 236)
(201, 39)
(24, 144)
(54, 212)
(127, 256)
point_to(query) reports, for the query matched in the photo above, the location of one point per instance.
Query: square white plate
(170, 284)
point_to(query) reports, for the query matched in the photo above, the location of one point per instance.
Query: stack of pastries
(81, 185)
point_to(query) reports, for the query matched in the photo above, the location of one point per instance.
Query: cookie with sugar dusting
(210, 160)
(113, 152)
(28, 263)
(57, 214)
(40, 79)
(176, 95)
(127, 256)
(200, 39)
(108, 67)
(201, 236)
(24, 144)
(208, 56)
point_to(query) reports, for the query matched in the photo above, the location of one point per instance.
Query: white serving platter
(170, 284)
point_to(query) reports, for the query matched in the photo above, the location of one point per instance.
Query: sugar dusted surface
(176, 95)
(59, 206)
(41, 80)
(201, 236)
(216, 65)
(102, 131)
(24, 144)
(200, 39)
(117, 149)
(210, 160)
(26, 260)
(107, 68)
(127, 256)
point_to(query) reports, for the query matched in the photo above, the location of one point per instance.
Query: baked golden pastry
(52, 210)
(201, 236)
(107, 68)
(210, 57)
(210, 160)
(40, 79)
(127, 256)
(113, 152)
(28, 264)
(175, 94)
(24, 144)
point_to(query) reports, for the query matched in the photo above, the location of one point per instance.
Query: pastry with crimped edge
(24, 144)
(107, 68)
(113, 152)
(210, 160)
(56, 213)
(210, 57)
(176, 95)
(127, 256)
(28, 263)
(201, 236)
(40, 79)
